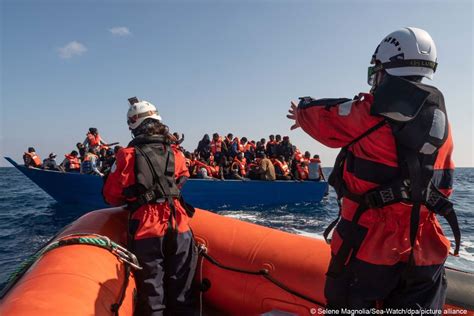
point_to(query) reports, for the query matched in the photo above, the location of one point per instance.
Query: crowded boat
(216, 158)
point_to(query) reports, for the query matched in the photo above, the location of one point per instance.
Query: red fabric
(387, 241)
(94, 140)
(216, 146)
(153, 218)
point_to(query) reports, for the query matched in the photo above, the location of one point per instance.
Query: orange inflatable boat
(245, 269)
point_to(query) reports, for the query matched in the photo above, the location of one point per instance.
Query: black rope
(116, 306)
(263, 272)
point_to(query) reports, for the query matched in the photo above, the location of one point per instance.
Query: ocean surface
(29, 218)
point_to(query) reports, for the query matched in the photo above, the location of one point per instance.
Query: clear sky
(209, 66)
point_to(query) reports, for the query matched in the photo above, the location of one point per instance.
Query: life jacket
(216, 146)
(283, 168)
(417, 116)
(241, 166)
(200, 165)
(298, 156)
(74, 163)
(214, 171)
(154, 173)
(302, 171)
(93, 140)
(240, 147)
(249, 147)
(35, 159)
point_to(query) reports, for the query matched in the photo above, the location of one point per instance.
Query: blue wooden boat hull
(75, 188)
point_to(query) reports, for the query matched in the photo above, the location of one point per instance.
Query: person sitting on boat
(266, 170)
(315, 172)
(90, 164)
(228, 143)
(50, 162)
(302, 171)
(225, 168)
(159, 220)
(238, 167)
(71, 162)
(31, 158)
(282, 170)
(394, 174)
(93, 140)
(203, 169)
(249, 150)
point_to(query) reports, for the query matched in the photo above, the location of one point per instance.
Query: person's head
(262, 141)
(316, 156)
(408, 52)
(110, 152)
(271, 137)
(243, 140)
(80, 145)
(286, 139)
(52, 156)
(281, 158)
(176, 135)
(240, 155)
(230, 136)
(263, 155)
(278, 138)
(307, 154)
(31, 150)
(215, 136)
(74, 153)
(117, 148)
(93, 130)
(138, 113)
(93, 150)
(206, 138)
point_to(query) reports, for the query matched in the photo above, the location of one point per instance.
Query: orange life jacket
(94, 140)
(283, 166)
(35, 159)
(200, 165)
(216, 146)
(214, 171)
(240, 165)
(303, 171)
(74, 162)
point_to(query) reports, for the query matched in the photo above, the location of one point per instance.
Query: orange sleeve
(180, 168)
(336, 122)
(121, 176)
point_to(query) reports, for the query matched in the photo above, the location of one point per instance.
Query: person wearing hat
(147, 176)
(50, 162)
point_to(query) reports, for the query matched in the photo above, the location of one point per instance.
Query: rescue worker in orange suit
(393, 174)
(148, 176)
(31, 158)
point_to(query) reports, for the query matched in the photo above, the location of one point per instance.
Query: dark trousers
(361, 285)
(164, 284)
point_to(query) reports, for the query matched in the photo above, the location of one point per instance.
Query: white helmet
(406, 52)
(139, 111)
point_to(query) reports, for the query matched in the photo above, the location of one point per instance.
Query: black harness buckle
(379, 198)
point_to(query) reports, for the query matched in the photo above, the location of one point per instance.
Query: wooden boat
(80, 279)
(75, 188)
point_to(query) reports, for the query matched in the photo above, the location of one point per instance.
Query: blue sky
(225, 66)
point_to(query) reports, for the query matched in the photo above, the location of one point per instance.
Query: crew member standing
(394, 174)
(148, 175)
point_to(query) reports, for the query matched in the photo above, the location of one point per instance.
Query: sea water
(29, 218)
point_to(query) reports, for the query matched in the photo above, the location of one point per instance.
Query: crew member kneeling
(394, 174)
(147, 175)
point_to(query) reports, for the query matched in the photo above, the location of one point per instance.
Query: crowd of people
(217, 158)
(232, 157)
(92, 156)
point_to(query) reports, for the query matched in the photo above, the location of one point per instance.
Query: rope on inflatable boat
(262, 272)
(123, 255)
